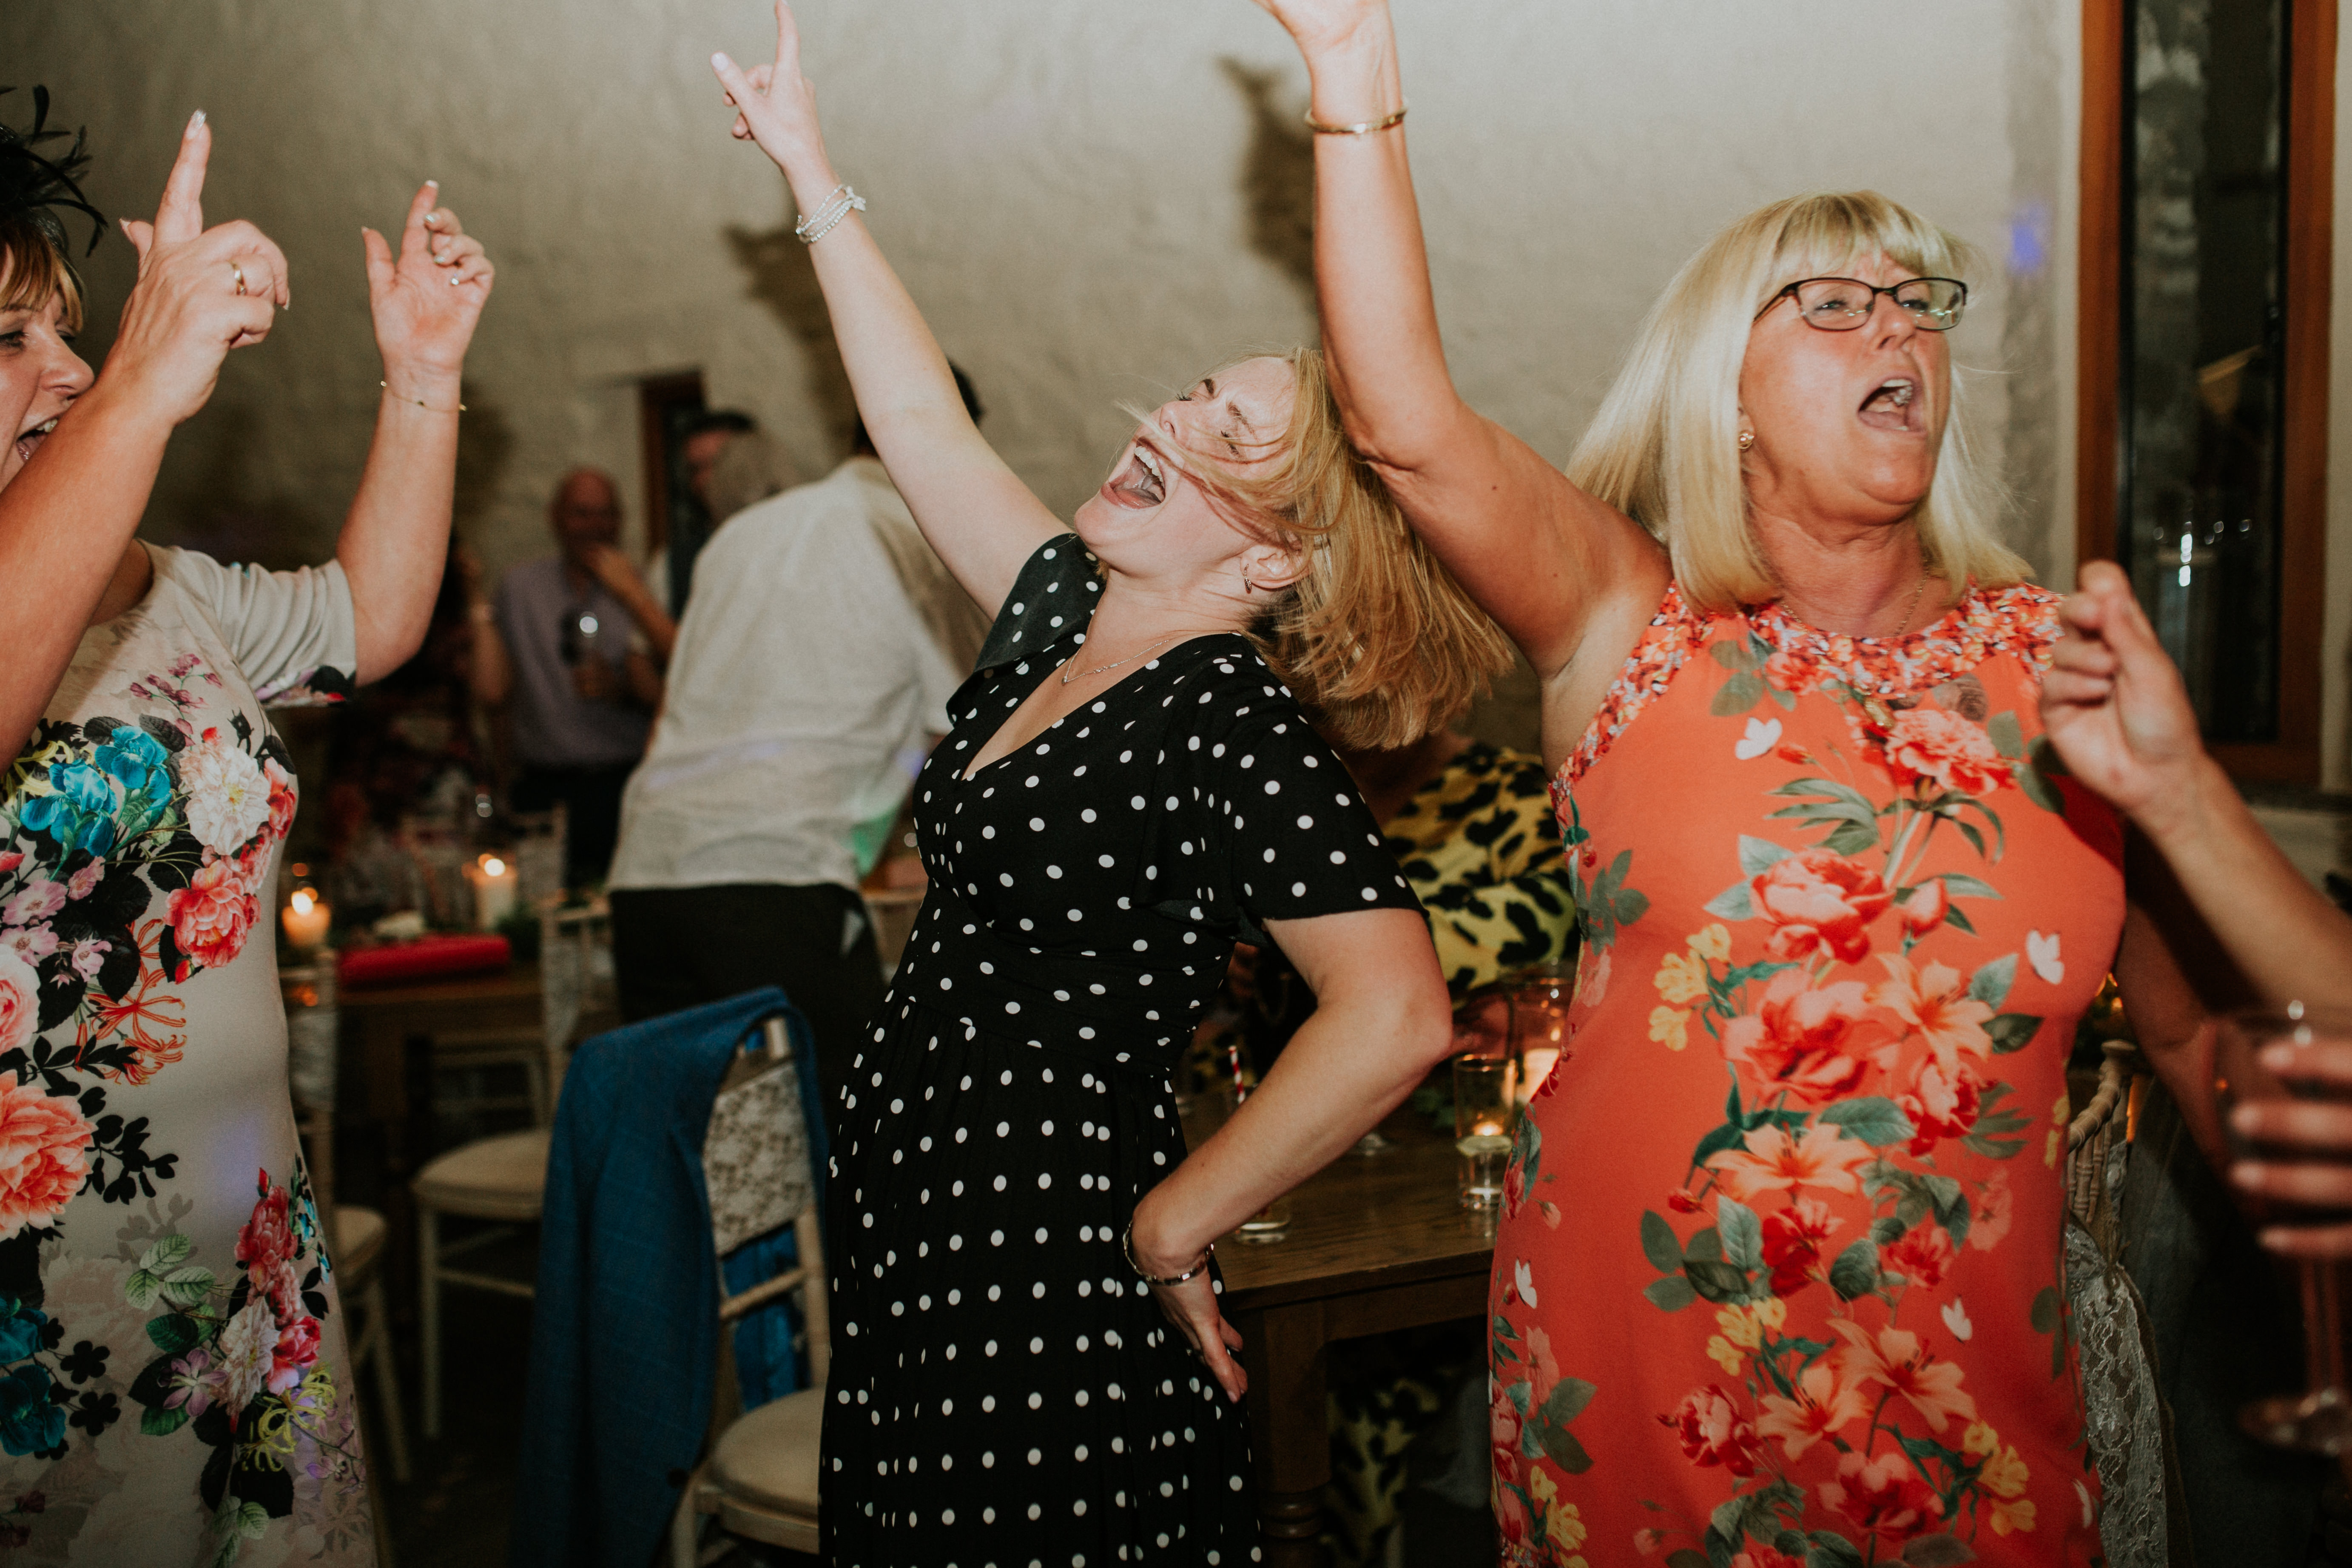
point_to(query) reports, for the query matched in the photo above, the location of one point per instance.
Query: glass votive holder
(1486, 1113)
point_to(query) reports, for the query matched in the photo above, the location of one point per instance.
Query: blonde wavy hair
(1376, 638)
(31, 271)
(1664, 448)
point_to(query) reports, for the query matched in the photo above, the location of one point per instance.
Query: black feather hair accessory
(35, 186)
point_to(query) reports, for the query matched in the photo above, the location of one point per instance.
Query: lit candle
(1536, 1067)
(1487, 1127)
(494, 891)
(306, 918)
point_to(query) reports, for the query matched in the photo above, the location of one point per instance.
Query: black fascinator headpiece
(35, 185)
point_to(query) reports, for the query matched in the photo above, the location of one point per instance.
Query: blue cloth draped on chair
(624, 1327)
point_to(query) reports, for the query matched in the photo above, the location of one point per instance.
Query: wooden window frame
(656, 394)
(2306, 272)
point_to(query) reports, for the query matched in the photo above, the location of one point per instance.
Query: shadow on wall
(211, 502)
(208, 500)
(784, 279)
(1277, 172)
(486, 443)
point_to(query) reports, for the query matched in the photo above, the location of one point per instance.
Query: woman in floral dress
(174, 1385)
(1780, 1279)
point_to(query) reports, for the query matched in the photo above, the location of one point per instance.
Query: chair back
(577, 995)
(756, 1165)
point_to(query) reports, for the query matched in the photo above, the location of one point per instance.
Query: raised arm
(982, 520)
(68, 517)
(395, 538)
(1537, 553)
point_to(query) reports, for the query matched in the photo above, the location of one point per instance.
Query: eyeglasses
(1841, 304)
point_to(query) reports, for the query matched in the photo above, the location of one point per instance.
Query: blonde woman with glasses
(1780, 1268)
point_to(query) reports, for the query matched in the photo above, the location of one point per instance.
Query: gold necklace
(1912, 609)
(1114, 664)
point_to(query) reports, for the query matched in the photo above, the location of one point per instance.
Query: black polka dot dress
(1004, 1391)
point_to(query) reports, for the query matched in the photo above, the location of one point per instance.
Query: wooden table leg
(1283, 1351)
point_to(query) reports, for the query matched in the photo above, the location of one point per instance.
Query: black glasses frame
(1923, 322)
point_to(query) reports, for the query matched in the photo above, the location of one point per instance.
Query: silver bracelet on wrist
(837, 204)
(1127, 1245)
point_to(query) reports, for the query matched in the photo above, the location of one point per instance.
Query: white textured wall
(1092, 198)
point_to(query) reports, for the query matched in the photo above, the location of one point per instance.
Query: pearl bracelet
(1127, 1245)
(829, 213)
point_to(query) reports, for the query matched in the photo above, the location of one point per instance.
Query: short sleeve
(292, 634)
(1284, 834)
(1054, 595)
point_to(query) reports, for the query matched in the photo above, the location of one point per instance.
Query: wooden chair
(760, 1481)
(503, 1179)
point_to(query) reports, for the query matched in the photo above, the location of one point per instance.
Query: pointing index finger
(788, 38)
(180, 215)
(414, 235)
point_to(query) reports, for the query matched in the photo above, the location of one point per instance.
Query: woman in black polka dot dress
(1029, 1365)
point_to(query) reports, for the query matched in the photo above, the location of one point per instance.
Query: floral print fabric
(1779, 1280)
(172, 1381)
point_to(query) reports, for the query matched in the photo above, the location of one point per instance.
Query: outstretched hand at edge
(2113, 705)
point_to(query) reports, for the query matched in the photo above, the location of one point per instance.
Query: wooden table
(1374, 1243)
(392, 1107)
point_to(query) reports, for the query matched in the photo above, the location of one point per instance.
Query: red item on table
(426, 958)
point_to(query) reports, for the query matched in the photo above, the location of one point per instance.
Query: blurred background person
(810, 673)
(553, 659)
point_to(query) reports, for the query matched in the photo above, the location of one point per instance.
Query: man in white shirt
(810, 674)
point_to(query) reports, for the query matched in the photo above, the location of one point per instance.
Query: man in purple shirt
(552, 654)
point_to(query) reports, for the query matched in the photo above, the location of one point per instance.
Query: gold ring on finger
(238, 272)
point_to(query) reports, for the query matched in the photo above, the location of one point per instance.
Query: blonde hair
(1664, 448)
(1376, 638)
(31, 271)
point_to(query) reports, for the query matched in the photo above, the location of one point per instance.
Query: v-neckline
(976, 767)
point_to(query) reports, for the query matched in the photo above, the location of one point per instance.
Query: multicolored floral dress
(173, 1386)
(1779, 1277)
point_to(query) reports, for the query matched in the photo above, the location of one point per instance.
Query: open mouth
(30, 441)
(1141, 481)
(1892, 405)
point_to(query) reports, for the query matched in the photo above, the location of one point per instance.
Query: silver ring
(239, 273)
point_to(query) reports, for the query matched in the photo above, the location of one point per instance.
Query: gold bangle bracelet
(1361, 128)
(420, 402)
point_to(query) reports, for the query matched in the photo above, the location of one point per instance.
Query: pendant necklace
(1114, 664)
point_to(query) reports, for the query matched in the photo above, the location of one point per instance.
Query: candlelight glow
(493, 866)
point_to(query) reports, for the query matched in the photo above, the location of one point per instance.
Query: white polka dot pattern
(1003, 1390)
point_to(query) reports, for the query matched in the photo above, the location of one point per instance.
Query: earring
(1747, 439)
(1248, 586)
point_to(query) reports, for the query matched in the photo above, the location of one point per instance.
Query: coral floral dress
(1780, 1277)
(173, 1387)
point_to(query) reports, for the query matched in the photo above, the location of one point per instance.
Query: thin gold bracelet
(1361, 128)
(421, 403)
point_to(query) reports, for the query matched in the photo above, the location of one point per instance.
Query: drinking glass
(2320, 1417)
(1539, 1001)
(1485, 1108)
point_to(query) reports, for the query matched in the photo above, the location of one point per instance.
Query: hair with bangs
(32, 272)
(1376, 638)
(1664, 448)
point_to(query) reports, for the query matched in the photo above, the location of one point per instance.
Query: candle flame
(303, 901)
(493, 866)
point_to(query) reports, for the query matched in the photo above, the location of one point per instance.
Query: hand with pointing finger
(201, 293)
(775, 107)
(426, 303)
